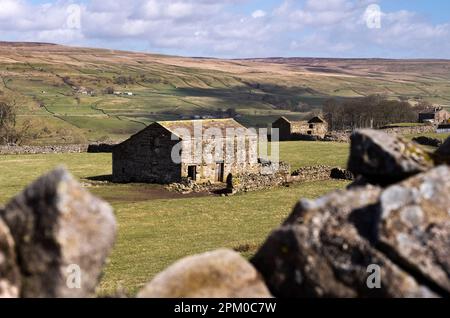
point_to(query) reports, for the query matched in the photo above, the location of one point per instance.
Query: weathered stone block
(58, 229)
(385, 159)
(442, 154)
(222, 273)
(415, 226)
(9, 271)
(326, 247)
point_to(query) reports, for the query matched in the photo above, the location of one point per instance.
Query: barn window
(311, 126)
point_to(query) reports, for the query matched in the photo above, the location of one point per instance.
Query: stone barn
(202, 150)
(314, 128)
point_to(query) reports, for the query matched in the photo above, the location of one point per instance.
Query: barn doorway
(192, 172)
(219, 171)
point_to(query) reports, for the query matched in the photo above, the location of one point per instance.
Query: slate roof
(315, 119)
(432, 110)
(176, 126)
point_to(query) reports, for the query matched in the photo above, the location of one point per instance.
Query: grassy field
(156, 230)
(155, 233)
(313, 153)
(49, 83)
(405, 125)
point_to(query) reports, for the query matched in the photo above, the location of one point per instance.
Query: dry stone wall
(245, 182)
(344, 136)
(268, 176)
(25, 150)
(28, 150)
(222, 273)
(337, 136)
(413, 130)
(395, 218)
(313, 173)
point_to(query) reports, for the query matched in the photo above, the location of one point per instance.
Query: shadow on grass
(220, 191)
(106, 177)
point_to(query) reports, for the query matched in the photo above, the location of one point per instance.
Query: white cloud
(327, 5)
(10, 9)
(207, 27)
(259, 14)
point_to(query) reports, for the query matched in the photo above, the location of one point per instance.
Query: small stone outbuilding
(436, 115)
(315, 128)
(168, 151)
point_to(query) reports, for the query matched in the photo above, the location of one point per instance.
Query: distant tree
(7, 114)
(316, 112)
(371, 111)
(124, 80)
(332, 111)
(10, 131)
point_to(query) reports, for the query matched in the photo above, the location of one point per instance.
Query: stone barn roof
(221, 124)
(316, 119)
(430, 111)
(176, 126)
(282, 118)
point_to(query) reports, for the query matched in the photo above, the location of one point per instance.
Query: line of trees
(372, 111)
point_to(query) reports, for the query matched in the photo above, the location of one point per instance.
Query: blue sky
(437, 11)
(237, 28)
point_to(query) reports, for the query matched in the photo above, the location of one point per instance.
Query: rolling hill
(72, 94)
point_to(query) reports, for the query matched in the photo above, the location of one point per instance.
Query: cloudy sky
(237, 28)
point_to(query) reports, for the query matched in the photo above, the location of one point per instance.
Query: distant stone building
(314, 128)
(148, 156)
(434, 115)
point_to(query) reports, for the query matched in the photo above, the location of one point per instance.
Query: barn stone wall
(146, 157)
(299, 128)
(206, 168)
(284, 129)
